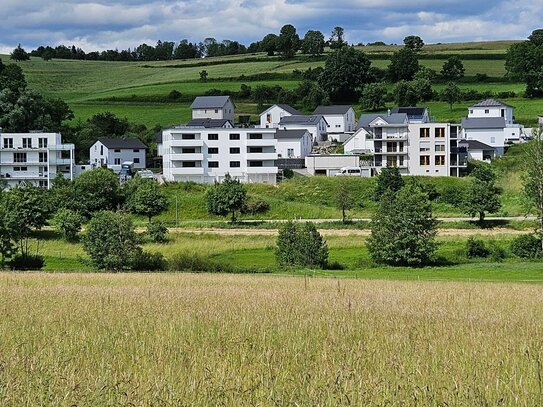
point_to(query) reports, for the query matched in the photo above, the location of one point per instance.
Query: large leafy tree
(97, 190)
(313, 43)
(9, 231)
(288, 41)
(482, 195)
(19, 54)
(146, 198)
(403, 229)
(406, 94)
(374, 96)
(404, 64)
(346, 71)
(453, 68)
(228, 197)
(269, 44)
(337, 39)
(450, 94)
(389, 179)
(524, 61)
(413, 42)
(301, 245)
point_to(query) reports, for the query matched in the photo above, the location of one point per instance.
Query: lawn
(182, 339)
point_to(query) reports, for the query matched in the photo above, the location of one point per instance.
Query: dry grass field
(188, 339)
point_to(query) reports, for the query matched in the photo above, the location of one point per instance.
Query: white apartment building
(111, 153)
(213, 107)
(34, 158)
(340, 118)
(271, 117)
(206, 155)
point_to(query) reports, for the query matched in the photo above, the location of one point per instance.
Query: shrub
(157, 232)
(198, 263)
(481, 77)
(301, 245)
(527, 246)
(288, 173)
(257, 206)
(497, 253)
(174, 95)
(476, 248)
(68, 223)
(27, 262)
(452, 195)
(147, 261)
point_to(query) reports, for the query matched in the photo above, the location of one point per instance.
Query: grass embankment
(141, 339)
(92, 86)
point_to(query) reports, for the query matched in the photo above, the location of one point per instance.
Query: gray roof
(290, 109)
(393, 118)
(209, 123)
(483, 123)
(477, 145)
(335, 109)
(120, 143)
(312, 120)
(491, 103)
(285, 134)
(410, 111)
(210, 102)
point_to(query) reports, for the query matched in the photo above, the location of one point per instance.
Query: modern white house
(341, 121)
(34, 158)
(293, 143)
(491, 122)
(271, 117)
(213, 107)
(111, 153)
(206, 155)
(315, 124)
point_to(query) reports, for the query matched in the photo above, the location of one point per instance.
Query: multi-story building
(34, 158)
(341, 120)
(112, 153)
(271, 117)
(213, 107)
(206, 155)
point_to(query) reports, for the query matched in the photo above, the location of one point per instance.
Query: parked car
(349, 172)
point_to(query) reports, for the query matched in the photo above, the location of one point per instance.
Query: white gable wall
(271, 117)
(294, 147)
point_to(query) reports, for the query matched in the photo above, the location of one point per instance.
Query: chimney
(388, 112)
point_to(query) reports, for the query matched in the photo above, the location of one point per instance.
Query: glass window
(8, 143)
(213, 164)
(117, 161)
(440, 132)
(440, 147)
(212, 136)
(234, 136)
(255, 136)
(42, 157)
(136, 160)
(235, 164)
(440, 160)
(424, 160)
(424, 132)
(27, 142)
(188, 136)
(42, 142)
(213, 150)
(19, 157)
(234, 150)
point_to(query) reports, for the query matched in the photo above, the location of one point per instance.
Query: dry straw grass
(90, 339)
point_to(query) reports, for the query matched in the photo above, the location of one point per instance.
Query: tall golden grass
(186, 339)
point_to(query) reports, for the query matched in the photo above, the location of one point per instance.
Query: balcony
(25, 175)
(187, 171)
(60, 161)
(261, 156)
(393, 152)
(266, 142)
(184, 143)
(61, 147)
(186, 156)
(262, 170)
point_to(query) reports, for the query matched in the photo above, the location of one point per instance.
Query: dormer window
(487, 111)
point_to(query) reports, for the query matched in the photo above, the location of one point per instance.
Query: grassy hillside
(92, 86)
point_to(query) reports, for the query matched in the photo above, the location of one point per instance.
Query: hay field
(185, 339)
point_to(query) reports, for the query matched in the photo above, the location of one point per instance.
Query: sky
(107, 24)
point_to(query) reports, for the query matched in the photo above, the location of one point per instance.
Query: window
(424, 132)
(268, 118)
(290, 153)
(42, 183)
(42, 157)
(255, 136)
(117, 161)
(8, 143)
(440, 160)
(255, 149)
(117, 151)
(234, 150)
(101, 150)
(213, 150)
(188, 136)
(16, 169)
(216, 110)
(235, 164)
(189, 164)
(136, 160)
(188, 150)
(471, 111)
(492, 139)
(440, 147)
(424, 160)
(27, 142)
(487, 111)
(440, 132)
(234, 136)
(255, 163)
(136, 150)
(424, 146)
(42, 142)
(213, 164)
(212, 136)
(19, 157)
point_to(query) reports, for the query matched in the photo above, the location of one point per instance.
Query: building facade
(340, 120)
(34, 158)
(316, 125)
(206, 155)
(293, 143)
(271, 117)
(112, 153)
(213, 107)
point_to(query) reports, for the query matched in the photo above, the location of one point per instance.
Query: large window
(255, 149)
(19, 157)
(440, 132)
(189, 150)
(234, 150)
(424, 160)
(255, 163)
(234, 136)
(254, 136)
(440, 160)
(117, 161)
(235, 164)
(424, 146)
(440, 147)
(188, 136)
(42, 157)
(213, 164)
(189, 164)
(213, 150)
(213, 137)
(8, 143)
(42, 142)
(424, 132)
(27, 142)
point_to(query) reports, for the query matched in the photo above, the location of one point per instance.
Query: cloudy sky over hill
(97, 25)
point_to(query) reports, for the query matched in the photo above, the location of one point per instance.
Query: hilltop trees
(288, 41)
(413, 42)
(269, 44)
(373, 96)
(453, 68)
(451, 94)
(19, 54)
(337, 38)
(346, 71)
(313, 43)
(404, 64)
(524, 61)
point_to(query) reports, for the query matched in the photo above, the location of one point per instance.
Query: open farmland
(140, 339)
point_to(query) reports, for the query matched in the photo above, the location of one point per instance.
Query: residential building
(271, 117)
(34, 158)
(293, 143)
(341, 121)
(211, 123)
(206, 155)
(213, 107)
(111, 153)
(315, 124)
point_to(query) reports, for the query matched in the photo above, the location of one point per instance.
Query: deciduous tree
(228, 197)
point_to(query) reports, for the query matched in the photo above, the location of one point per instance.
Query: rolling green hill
(95, 86)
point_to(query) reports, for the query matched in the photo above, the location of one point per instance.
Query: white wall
(416, 143)
(114, 158)
(271, 117)
(341, 123)
(331, 164)
(301, 146)
(491, 137)
(478, 112)
(225, 113)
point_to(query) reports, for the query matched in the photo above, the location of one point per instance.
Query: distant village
(329, 142)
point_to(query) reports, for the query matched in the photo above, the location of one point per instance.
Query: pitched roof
(289, 134)
(334, 109)
(285, 107)
(209, 123)
(120, 143)
(483, 122)
(393, 118)
(477, 145)
(312, 120)
(210, 102)
(491, 103)
(410, 111)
